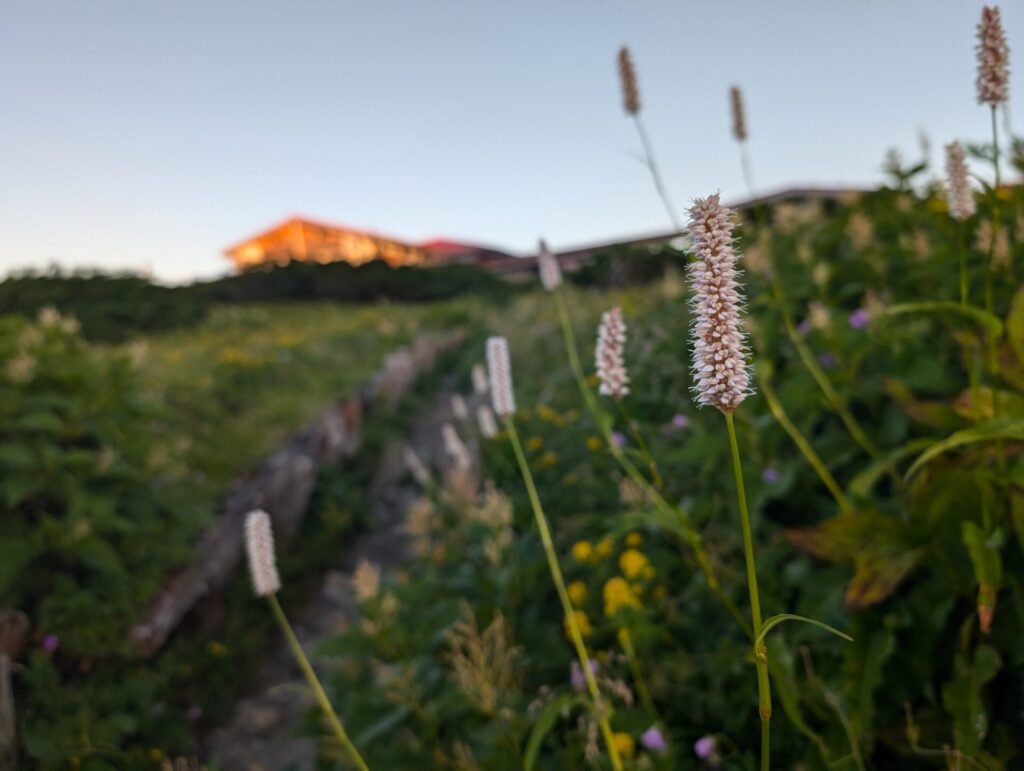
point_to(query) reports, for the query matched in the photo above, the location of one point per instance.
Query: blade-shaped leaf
(1002, 428)
(774, 621)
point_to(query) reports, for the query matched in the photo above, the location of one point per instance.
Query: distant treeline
(116, 307)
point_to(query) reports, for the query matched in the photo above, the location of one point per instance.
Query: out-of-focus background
(250, 255)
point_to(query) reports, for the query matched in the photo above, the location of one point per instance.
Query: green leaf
(543, 725)
(774, 621)
(862, 484)
(1002, 428)
(991, 323)
(385, 725)
(882, 549)
(963, 697)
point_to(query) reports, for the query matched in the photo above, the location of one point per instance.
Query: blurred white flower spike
(549, 269)
(611, 367)
(499, 369)
(960, 197)
(993, 81)
(259, 543)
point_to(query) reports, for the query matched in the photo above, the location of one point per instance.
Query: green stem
(640, 443)
(652, 164)
(764, 696)
(563, 594)
(801, 442)
(807, 357)
(964, 291)
(638, 678)
(689, 532)
(314, 683)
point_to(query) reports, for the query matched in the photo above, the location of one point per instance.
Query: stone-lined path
(263, 734)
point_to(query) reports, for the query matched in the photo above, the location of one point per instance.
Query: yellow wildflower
(624, 744)
(548, 459)
(634, 539)
(594, 443)
(545, 413)
(582, 551)
(217, 649)
(633, 563)
(618, 594)
(577, 593)
(534, 443)
(571, 478)
(647, 573)
(605, 548)
(582, 621)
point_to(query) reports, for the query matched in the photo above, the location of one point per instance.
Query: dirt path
(263, 734)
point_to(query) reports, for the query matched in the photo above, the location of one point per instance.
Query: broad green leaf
(882, 549)
(1002, 428)
(774, 621)
(991, 323)
(542, 726)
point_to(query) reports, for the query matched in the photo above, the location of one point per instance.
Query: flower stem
(964, 291)
(807, 357)
(652, 164)
(314, 683)
(626, 639)
(563, 594)
(764, 696)
(801, 442)
(641, 444)
(688, 531)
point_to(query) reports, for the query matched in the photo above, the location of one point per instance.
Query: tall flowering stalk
(961, 204)
(631, 105)
(673, 512)
(259, 545)
(610, 365)
(723, 381)
(993, 85)
(739, 133)
(503, 400)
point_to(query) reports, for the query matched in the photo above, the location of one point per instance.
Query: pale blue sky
(140, 133)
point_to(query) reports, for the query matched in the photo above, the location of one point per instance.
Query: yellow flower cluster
(618, 594)
(635, 565)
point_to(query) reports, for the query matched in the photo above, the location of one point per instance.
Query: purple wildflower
(859, 318)
(653, 740)
(704, 747)
(827, 360)
(680, 421)
(50, 643)
(769, 475)
(804, 327)
(619, 439)
(579, 682)
(194, 712)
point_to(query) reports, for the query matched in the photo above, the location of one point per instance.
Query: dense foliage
(115, 308)
(112, 461)
(919, 555)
